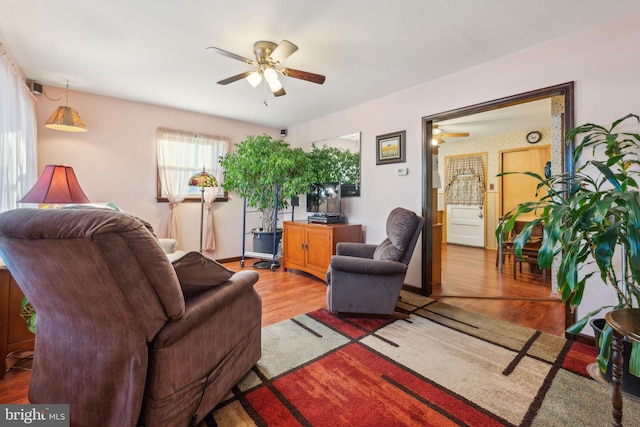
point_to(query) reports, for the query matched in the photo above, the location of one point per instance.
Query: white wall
(115, 161)
(602, 61)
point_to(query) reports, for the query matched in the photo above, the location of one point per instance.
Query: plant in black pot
(258, 169)
(591, 221)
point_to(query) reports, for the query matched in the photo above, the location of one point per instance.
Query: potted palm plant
(591, 220)
(258, 169)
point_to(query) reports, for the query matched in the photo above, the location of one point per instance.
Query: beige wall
(115, 161)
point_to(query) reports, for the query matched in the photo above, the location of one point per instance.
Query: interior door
(519, 188)
(465, 225)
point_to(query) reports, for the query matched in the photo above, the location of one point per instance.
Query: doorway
(561, 159)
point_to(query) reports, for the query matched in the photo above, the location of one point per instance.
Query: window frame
(222, 196)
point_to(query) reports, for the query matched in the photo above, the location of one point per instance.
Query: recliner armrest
(361, 250)
(366, 266)
(202, 308)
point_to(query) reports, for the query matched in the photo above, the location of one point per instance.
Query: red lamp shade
(56, 184)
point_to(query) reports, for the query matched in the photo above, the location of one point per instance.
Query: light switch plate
(402, 171)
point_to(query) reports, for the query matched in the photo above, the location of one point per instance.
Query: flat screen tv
(324, 198)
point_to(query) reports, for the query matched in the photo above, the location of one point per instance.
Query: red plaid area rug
(444, 366)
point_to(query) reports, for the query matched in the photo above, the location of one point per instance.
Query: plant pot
(630, 383)
(263, 241)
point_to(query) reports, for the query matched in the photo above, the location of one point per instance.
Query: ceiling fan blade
(235, 78)
(284, 50)
(437, 138)
(454, 135)
(303, 75)
(231, 55)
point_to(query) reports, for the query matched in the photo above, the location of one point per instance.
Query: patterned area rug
(444, 366)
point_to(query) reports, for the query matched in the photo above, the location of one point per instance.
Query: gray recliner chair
(367, 279)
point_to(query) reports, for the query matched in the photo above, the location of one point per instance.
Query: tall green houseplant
(591, 216)
(261, 164)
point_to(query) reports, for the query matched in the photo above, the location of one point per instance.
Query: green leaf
(634, 359)
(628, 116)
(605, 347)
(579, 325)
(608, 173)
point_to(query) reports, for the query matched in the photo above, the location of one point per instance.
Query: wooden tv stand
(308, 246)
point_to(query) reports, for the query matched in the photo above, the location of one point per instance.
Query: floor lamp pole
(201, 215)
(202, 180)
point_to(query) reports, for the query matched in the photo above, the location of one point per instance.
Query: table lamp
(56, 184)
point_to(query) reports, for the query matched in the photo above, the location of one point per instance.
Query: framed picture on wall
(390, 148)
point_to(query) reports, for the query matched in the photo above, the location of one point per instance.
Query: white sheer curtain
(18, 151)
(172, 153)
(180, 155)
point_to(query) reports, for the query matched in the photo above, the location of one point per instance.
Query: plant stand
(625, 323)
(273, 256)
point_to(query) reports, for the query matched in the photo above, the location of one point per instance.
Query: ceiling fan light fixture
(254, 79)
(271, 75)
(275, 85)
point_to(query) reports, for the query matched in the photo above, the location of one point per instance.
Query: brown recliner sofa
(115, 337)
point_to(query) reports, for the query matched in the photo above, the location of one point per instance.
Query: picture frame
(391, 148)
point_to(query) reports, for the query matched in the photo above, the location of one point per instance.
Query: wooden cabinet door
(320, 248)
(294, 246)
(14, 334)
(519, 188)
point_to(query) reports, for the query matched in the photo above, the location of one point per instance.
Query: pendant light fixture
(65, 118)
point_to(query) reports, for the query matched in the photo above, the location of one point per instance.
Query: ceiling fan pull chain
(264, 92)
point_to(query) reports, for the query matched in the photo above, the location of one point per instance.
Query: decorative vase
(630, 383)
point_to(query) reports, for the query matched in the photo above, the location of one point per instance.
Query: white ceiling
(529, 116)
(155, 51)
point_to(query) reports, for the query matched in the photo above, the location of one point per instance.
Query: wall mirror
(343, 166)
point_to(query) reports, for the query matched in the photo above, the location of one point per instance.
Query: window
(465, 180)
(182, 154)
(18, 165)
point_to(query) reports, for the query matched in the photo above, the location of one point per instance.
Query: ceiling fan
(269, 56)
(439, 135)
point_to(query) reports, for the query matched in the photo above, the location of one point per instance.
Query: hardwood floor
(470, 280)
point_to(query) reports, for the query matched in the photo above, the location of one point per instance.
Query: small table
(625, 323)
